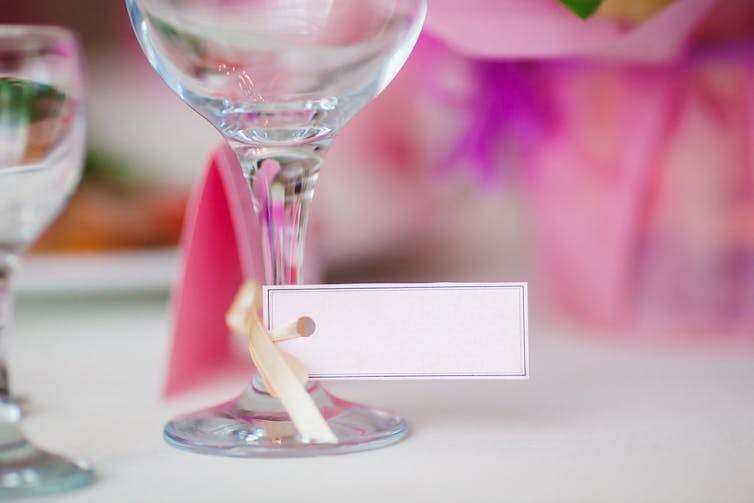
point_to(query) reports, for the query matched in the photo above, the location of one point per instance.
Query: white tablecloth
(602, 420)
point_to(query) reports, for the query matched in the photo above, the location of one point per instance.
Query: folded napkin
(220, 248)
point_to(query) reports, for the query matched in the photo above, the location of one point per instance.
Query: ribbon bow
(284, 376)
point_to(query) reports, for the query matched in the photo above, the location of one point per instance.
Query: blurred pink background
(609, 162)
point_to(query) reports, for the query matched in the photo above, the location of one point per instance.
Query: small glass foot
(256, 425)
(26, 470)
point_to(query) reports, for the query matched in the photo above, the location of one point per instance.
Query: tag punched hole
(305, 326)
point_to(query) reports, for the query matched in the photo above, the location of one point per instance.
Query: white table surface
(602, 420)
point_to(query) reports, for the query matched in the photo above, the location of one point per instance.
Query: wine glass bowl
(277, 72)
(41, 131)
(278, 79)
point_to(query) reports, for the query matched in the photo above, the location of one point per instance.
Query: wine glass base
(26, 470)
(256, 425)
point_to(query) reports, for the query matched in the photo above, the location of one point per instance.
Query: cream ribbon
(284, 376)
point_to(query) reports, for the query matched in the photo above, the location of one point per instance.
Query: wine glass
(41, 152)
(278, 79)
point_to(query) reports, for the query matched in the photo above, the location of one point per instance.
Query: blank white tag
(406, 331)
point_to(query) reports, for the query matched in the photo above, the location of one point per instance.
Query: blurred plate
(137, 271)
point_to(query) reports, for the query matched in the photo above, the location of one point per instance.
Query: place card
(406, 331)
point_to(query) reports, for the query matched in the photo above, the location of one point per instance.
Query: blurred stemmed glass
(42, 142)
(278, 79)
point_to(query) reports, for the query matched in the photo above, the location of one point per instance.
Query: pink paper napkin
(220, 247)
(218, 237)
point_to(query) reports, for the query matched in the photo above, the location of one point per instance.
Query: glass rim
(21, 43)
(42, 34)
(34, 29)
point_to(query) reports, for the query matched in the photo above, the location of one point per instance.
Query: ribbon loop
(284, 375)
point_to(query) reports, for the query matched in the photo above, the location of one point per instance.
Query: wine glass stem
(6, 316)
(282, 182)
